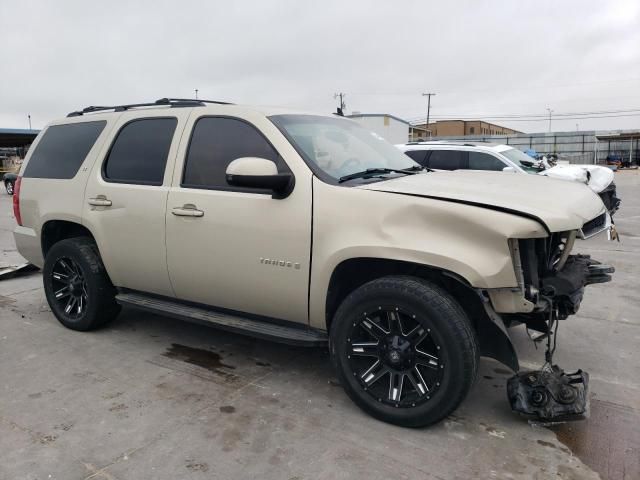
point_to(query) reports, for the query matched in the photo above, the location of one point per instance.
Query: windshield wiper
(378, 170)
(419, 168)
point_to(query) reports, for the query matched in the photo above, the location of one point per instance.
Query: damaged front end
(553, 281)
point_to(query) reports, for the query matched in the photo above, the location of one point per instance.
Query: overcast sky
(481, 58)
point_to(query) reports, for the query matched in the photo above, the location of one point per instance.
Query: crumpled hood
(557, 204)
(598, 178)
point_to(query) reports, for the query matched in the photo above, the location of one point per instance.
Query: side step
(291, 335)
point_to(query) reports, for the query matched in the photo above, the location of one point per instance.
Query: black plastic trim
(161, 102)
(293, 326)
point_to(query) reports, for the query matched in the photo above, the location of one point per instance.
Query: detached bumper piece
(599, 273)
(566, 287)
(550, 395)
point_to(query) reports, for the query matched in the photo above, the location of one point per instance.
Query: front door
(126, 196)
(237, 248)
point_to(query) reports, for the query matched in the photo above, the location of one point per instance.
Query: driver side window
(215, 143)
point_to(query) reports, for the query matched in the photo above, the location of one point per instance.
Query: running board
(291, 335)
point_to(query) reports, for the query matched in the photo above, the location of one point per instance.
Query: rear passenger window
(139, 153)
(62, 150)
(418, 156)
(447, 159)
(484, 161)
(215, 143)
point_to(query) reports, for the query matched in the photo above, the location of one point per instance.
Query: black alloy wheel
(78, 289)
(70, 287)
(394, 357)
(404, 350)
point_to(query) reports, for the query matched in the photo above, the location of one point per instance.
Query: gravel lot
(152, 397)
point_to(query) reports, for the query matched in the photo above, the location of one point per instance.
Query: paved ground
(150, 397)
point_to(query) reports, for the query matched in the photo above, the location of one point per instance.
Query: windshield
(519, 158)
(340, 147)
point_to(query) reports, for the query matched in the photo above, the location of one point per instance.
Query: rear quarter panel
(45, 199)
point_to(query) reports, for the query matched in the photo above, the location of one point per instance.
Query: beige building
(457, 128)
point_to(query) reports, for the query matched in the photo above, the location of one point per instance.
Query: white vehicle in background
(454, 155)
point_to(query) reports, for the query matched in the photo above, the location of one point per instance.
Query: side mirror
(508, 169)
(260, 173)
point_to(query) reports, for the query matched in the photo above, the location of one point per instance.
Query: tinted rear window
(139, 153)
(62, 150)
(484, 161)
(447, 159)
(418, 155)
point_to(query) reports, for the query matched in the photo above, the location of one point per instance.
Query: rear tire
(404, 350)
(77, 286)
(9, 187)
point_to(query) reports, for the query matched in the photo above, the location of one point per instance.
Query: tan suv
(305, 229)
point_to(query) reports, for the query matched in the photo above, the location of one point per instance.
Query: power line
(534, 116)
(538, 119)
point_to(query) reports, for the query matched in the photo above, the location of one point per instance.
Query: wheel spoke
(63, 292)
(70, 303)
(76, 269)
(374, 373)
(423, 358)
(417, 335)
(395, 323)
(415, 377)
(67, 267)
(60, 276)
(375, 330)
(395, 386)
(79, 305)
(365, 349)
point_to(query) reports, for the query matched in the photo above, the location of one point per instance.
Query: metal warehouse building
(577, 147)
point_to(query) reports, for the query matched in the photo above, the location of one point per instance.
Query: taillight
(16, 201)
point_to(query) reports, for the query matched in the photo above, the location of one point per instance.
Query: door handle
(100, 201)
(188, 210)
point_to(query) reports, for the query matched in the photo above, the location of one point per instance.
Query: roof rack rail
(171, 102)
(194, 100)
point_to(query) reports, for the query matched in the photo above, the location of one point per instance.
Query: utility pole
(550, 112)
(196, 93)
(342, 107)
(29, 115)
(426, 126)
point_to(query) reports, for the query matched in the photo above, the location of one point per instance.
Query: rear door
(419, 156)
(447, 159)
(245, 251)
(485, 161)
(126, 197)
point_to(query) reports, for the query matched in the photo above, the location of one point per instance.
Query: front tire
(9, 187)
(404, 350)
(77, 286)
